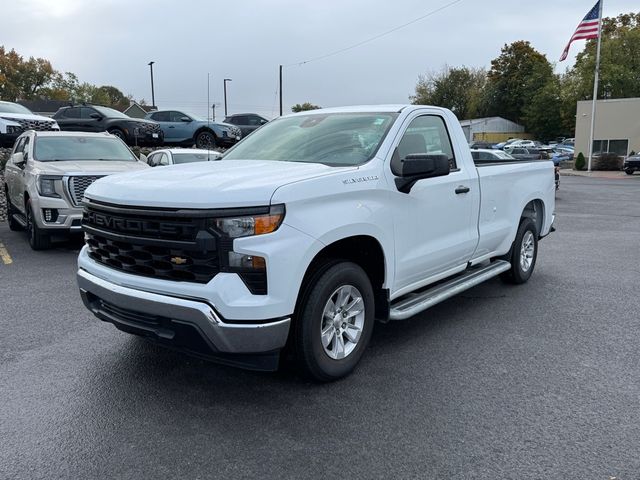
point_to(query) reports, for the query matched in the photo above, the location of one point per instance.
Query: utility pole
(225, 94)
(153, 96)
(208, 101)
(280, 90)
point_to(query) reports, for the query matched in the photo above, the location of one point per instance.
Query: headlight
(47, 186)
(245, 226)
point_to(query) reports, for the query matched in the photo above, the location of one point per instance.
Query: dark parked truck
(306, 232)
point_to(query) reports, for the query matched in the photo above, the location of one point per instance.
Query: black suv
(246, 122)
(94, 118)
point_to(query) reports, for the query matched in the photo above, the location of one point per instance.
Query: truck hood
(218, 184)
(89, 167)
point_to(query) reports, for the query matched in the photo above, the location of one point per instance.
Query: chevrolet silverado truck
(305, 233)
(46, 176)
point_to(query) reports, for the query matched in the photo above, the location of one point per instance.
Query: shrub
(632, 153)
(580, 163)
(607, 161)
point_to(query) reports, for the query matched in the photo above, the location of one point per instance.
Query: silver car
(47, 174)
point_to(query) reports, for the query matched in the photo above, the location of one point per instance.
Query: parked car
(490, 156)
(501, 145)
(521, 153)
(94, 118)
(561, 155)
(246, 122)
(481, 145)
(306, 232)
(47, 174)
(177, 156)
(181, 128)
(631, 164)
(16, 119)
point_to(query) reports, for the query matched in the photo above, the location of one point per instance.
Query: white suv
(47, 174)
(16, 119)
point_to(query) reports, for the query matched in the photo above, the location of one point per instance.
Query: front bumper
(631, 165)
(188, 325)
(68, 218)
(140, 138)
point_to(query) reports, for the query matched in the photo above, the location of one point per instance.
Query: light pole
(153, 96)
(225, 94)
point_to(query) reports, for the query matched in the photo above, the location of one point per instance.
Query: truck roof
(364, 109)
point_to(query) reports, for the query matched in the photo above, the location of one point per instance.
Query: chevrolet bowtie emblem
(178, 260)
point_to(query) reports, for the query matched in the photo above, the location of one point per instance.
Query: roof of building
(44, 105)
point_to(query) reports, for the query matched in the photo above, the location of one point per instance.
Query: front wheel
(116, 132)
(523, 254)
(334, 323)
(38, 240)
(628, 171)
(206, 140)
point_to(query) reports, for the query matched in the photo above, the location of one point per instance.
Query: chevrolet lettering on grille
(129, 225)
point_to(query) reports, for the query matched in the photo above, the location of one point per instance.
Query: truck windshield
(334, 139)
(64, 148)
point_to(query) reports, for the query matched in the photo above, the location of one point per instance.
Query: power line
(350, 47)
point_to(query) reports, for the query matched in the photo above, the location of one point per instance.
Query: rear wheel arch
(534, 210)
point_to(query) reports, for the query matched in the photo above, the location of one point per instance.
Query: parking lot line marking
(4, 255)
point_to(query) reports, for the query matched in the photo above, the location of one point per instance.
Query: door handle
(462, 189)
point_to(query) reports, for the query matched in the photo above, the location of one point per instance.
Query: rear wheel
(38, 240)
(335, 321)
(523, 254)
(206, 140)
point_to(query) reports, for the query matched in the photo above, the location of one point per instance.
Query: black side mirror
(185, 119)
(417, 166)
(96, 116)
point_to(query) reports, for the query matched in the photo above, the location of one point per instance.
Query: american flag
(587, 29)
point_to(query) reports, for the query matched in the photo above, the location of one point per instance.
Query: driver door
(436, 222)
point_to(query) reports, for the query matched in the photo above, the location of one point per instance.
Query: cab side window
(163, 160)
(427, 134)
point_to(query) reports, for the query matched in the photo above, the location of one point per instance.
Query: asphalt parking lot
(535, 381)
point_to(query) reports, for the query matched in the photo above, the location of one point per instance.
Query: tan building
(617, 126)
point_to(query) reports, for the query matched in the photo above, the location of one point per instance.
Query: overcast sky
(110, 42)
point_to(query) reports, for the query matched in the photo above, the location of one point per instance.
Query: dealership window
(619, 147)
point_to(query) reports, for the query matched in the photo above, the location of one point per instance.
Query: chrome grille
(40, 125)
(78, 185)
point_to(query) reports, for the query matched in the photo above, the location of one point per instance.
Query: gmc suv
(47, 174)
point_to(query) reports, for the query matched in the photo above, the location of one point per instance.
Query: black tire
(312, 357)
(116, 132)
(38, 240)
(519, 273)
(628, 171)
(205, 139)
(13, 225)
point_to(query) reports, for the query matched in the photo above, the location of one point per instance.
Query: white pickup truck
(306, 232)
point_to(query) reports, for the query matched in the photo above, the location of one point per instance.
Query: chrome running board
(414, 303)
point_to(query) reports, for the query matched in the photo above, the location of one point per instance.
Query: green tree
(116, 98)
(21, 79)
(543, 115)
(304, 107)
(458, 89)
(515, 78)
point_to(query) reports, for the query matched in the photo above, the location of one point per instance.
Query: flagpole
(595, 86)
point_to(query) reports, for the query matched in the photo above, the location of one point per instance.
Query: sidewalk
(598, 174)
